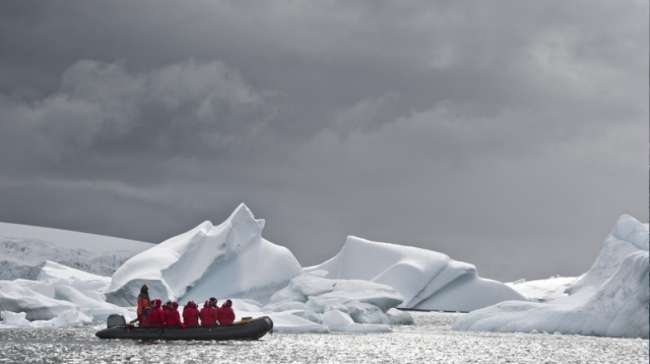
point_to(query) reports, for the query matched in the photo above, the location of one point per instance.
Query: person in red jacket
(172, 317)
(206, 315)
(145, 316)
(143, 304)
(214, 311)
(191, 315)
(226, 313)
(156, 317)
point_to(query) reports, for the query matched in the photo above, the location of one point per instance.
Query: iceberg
(337, 305)
(68, 318)
(18, 297)
(58, 289)
(336, 320)
(91, 285)
(231, 259)
(610, 299)
(426, 279)
(541, 290)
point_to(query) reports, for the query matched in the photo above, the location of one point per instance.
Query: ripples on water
(430, 341)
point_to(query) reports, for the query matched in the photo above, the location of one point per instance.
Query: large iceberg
(426, 279)
(611, 299)
(231, 259)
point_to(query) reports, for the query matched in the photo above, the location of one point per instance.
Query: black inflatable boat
(244, 330)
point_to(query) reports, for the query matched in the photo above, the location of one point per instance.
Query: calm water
(430, 341)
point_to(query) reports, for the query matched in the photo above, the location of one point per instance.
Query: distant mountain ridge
(24, 249)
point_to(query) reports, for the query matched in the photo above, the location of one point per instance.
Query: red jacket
(190, 316)
(172, 318)
(156, 317)
(143, 302)
(214, 315)
(208, 318)
(226, 315)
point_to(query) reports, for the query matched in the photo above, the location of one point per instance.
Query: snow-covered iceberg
(426, 279)
(611, 299)
(231, 259)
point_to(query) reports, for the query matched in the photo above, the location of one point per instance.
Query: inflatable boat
(252, 329)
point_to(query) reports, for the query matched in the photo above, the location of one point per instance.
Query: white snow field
(231, 259)
(611, 299)
(23, 248)
(428, 280)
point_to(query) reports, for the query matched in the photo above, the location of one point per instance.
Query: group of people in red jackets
(152, 313)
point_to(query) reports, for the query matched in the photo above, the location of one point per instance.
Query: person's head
(175, 305)
(144, 291)
(213, 302)
(157, 302)
(206, 303)
(228, 303)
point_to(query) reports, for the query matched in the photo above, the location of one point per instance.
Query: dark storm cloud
(492, 132)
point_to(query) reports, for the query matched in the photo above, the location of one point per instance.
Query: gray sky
(507, 134)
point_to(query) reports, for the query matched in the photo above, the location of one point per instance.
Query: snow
(23, 248)
(611, 299)
(426, 279)
(231, 259)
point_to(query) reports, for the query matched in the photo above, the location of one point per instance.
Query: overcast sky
(509, 134)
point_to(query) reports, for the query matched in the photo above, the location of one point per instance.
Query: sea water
(430, 340)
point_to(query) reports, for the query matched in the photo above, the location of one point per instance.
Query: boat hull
(250, 330)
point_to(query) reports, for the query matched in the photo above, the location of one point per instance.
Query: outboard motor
(115, 320)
